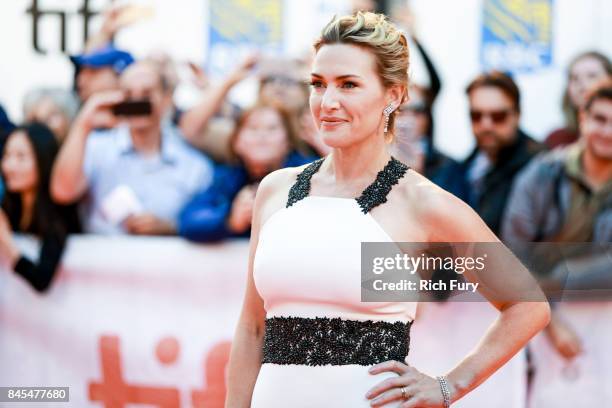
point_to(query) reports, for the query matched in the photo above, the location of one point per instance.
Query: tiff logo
(38, 14)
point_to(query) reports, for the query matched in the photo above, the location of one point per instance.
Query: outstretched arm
(434, 79)
(194, 121)
(39, 273)
(68, 180)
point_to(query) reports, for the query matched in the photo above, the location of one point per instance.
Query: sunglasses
(497, 117)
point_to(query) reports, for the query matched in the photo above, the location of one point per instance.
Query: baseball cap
(108, 56)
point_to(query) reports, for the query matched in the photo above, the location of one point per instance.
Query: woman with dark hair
(27, 159)
(262, 142)
(585, 70)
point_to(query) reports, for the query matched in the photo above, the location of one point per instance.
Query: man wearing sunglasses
(502, 148)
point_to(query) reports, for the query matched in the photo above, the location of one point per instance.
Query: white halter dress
(320, 338)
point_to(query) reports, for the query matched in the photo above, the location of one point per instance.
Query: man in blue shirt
(136, 175)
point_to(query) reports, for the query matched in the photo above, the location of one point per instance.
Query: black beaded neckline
(374, 195)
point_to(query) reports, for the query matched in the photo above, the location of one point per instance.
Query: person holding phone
(136, 174)
(99, 70)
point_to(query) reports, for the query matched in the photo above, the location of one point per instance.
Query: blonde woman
(304, 338)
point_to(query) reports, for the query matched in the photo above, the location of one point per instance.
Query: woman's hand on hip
(410, 388)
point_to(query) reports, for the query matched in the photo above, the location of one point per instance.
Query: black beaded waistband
(324, 341)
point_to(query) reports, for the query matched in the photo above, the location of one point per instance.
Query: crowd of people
(80, 163)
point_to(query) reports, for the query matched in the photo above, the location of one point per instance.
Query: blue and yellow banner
(239, 26)
(516, 35)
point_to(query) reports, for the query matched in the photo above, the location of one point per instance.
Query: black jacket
(497, 184)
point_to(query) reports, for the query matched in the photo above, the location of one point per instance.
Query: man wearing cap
(99, 70)
(135, 176)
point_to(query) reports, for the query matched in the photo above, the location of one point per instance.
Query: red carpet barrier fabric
(133, 321)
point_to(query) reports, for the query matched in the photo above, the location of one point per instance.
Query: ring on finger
(404, 393)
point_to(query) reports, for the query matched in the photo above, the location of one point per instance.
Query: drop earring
(387, 113)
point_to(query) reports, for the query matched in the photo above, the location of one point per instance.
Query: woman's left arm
(520, 318)
(38, 274)
(516, 325)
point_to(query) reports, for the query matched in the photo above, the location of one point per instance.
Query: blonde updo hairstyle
(374, 32)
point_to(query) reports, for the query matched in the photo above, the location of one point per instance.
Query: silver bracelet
(445, 390)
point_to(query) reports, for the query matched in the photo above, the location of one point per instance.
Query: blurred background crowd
(115, 154)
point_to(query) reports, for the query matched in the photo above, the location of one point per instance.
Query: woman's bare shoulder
(442, 212)
(279, 180)
(421, 193)
(273, 192)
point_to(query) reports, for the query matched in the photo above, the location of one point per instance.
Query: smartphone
(133, 108)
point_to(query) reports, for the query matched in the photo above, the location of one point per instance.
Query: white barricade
(128, 321)
(133, 321)
(585, 380)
